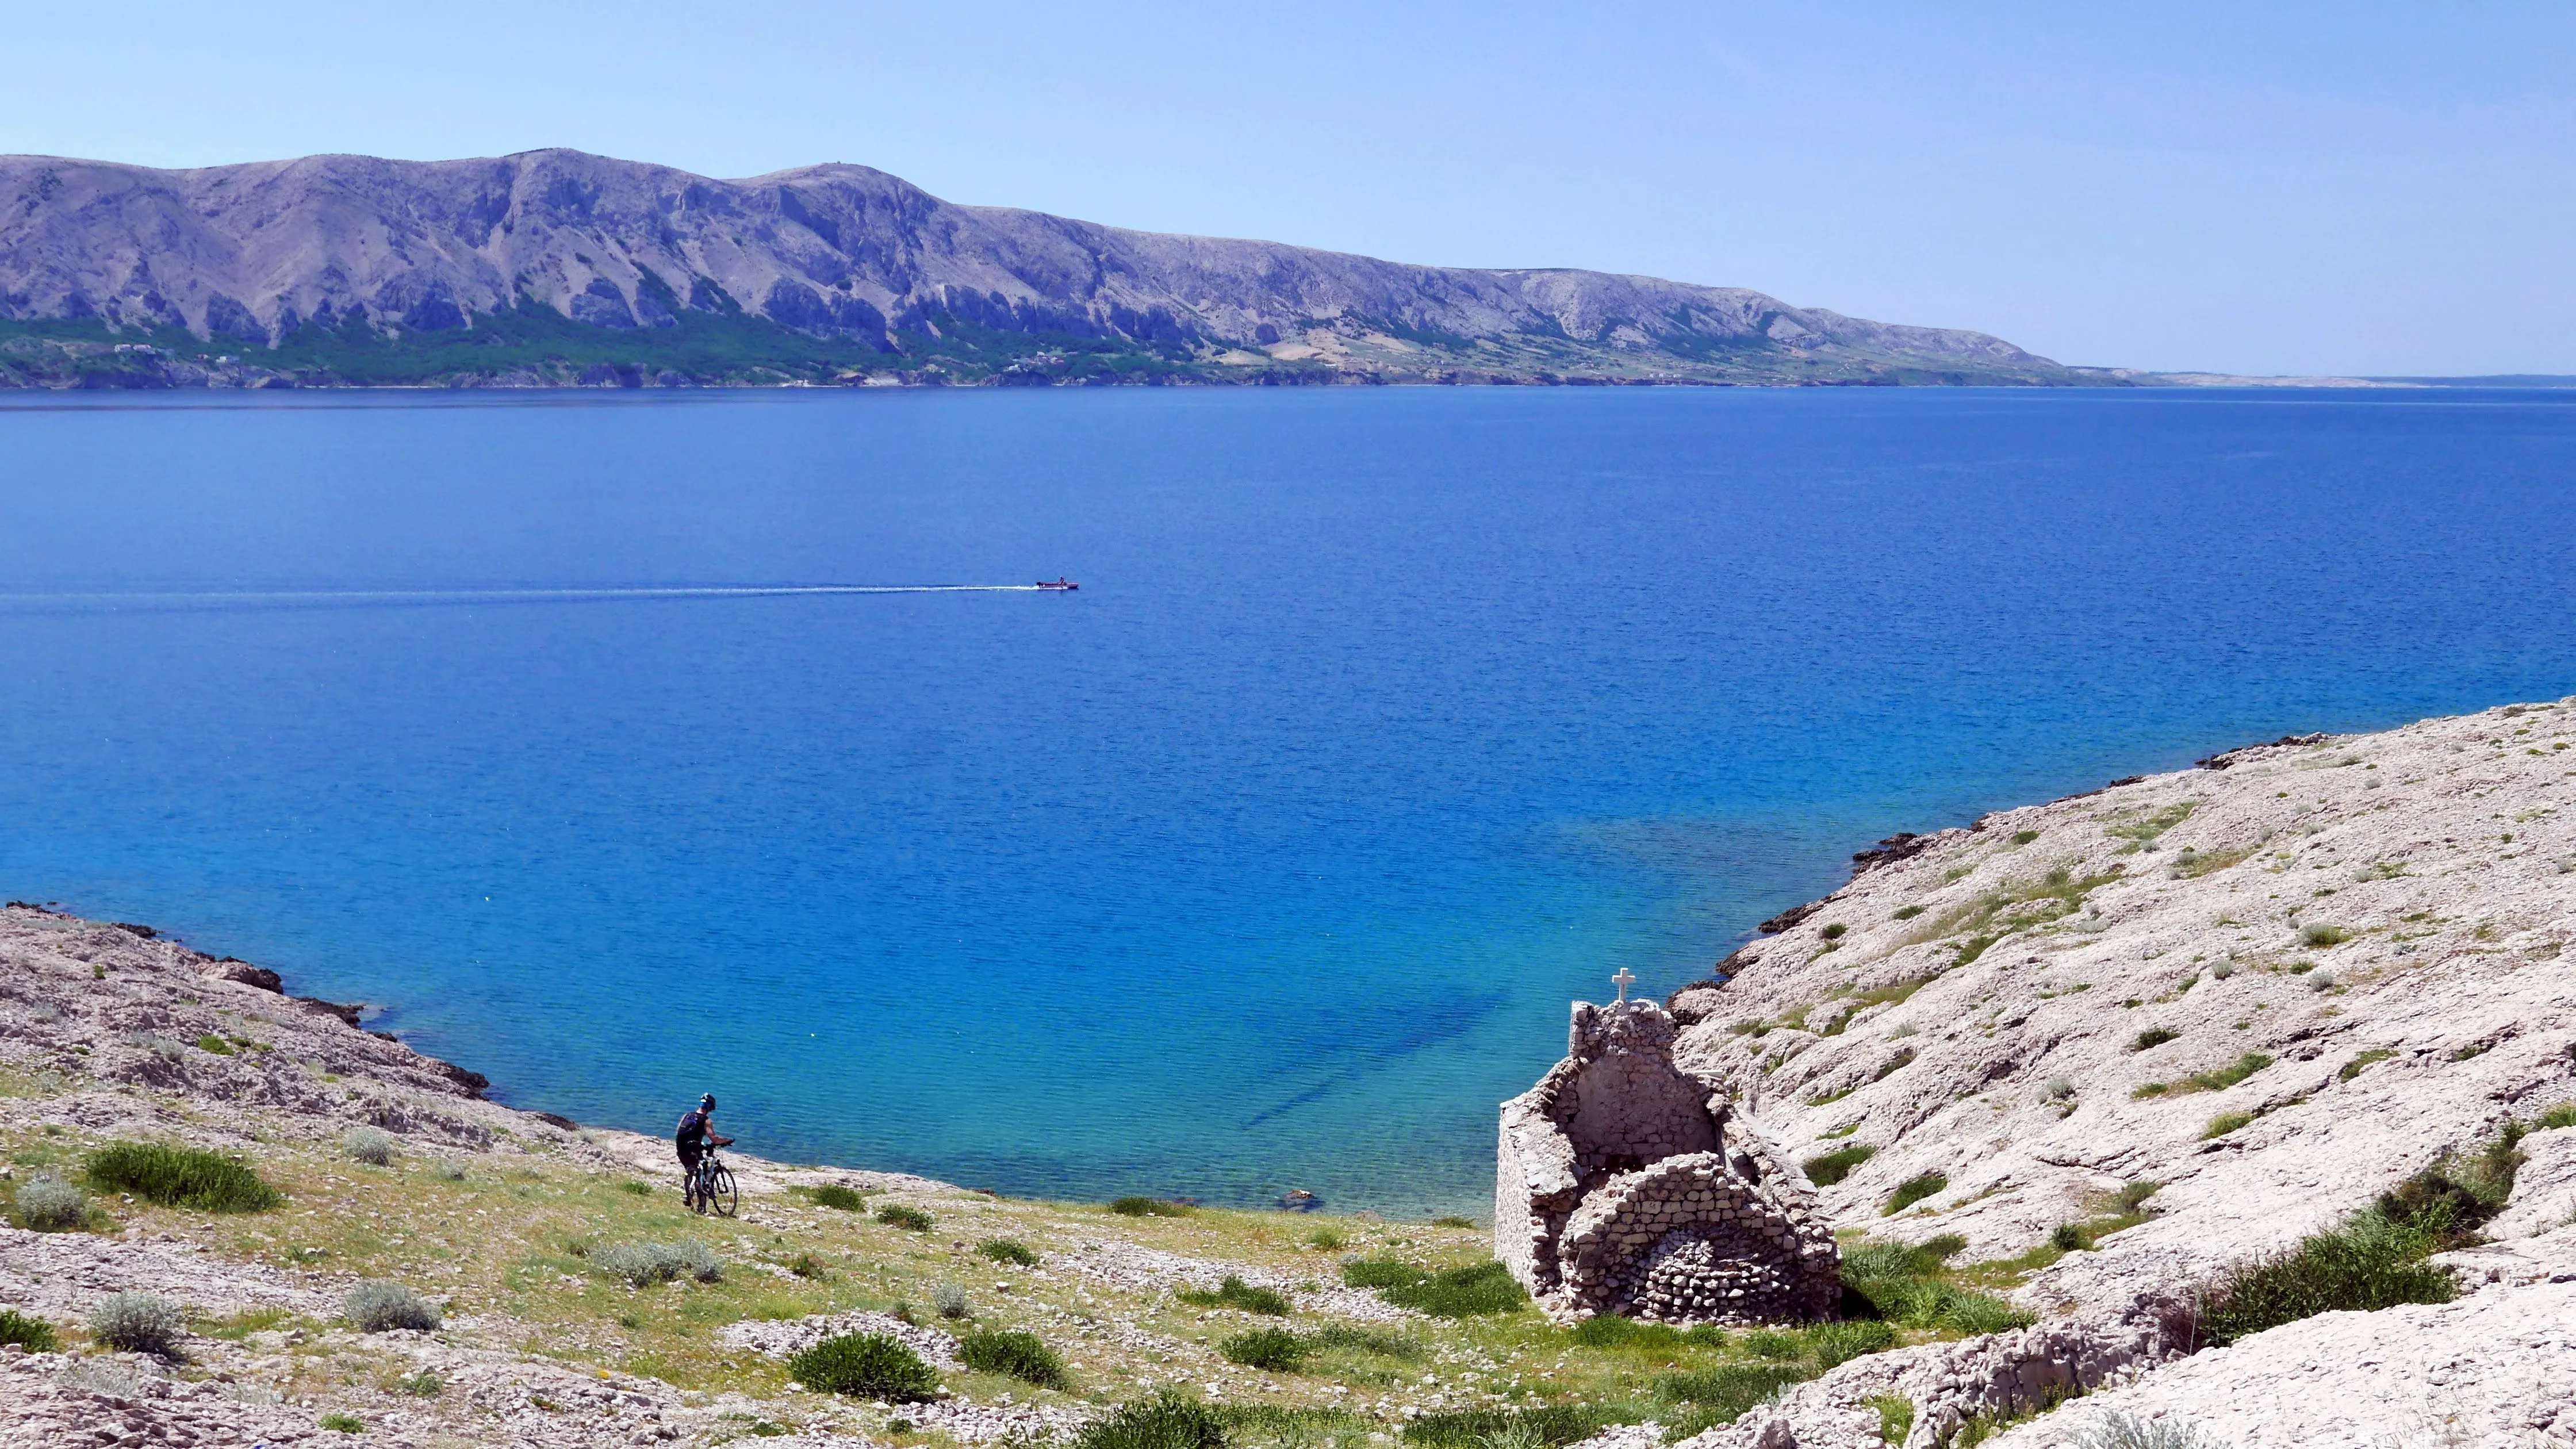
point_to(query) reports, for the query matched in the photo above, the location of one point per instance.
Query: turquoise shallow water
(1384, 722)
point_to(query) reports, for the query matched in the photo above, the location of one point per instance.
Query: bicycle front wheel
(721, 1192)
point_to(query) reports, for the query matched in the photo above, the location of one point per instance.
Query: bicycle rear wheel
(721, 1192)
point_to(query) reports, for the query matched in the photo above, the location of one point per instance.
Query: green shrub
(1547, 1424)
(896, 1215)
(2467, 1189)
(637, 1189)
(2562, 1115)
(1235, 1293)
(867, 1366)
(1008, 1250)
(2371, 1261)
(2362, 1061)
(1913, 1190)
(422, 1385)
(180, 1177)
(2224, 1123)
(136, 1322)
(377, 1307)
(342, 1423)
(2154, 1036)
(47, 1204)
(1148, 1207)
(371, 1145)
(949, 1301)
(1453, 1221)
(34, 1335)
(1907, 913)
(1326, 1239)
(1275, 1349)
(1023, 1356)
(1169, 1420)
(2325, 935)
(1834, 1166)
(1469, 1292)
(214, 1044)
(834, 1195)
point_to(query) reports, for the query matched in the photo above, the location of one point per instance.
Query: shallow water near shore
(1384, 722)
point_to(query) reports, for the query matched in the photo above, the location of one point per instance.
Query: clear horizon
(2362, 190)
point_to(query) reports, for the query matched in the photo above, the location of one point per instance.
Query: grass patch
(1468, 1292)
(1148, 1207)
(2153, 1037)
(180, 1177)
(2371, 1261)
(1832, 1167)
(1235, 1293)
(2325, 935)
(910, 1219)
(1914, 1286)
(1169, 1420)
(1453, 1221)
(1545, 1425)
(1008, 1250)
(1907, 913)
(2193, 864)
(2216, 1079)
(2141, 830)
(1274, 1349)
(2224, 1123)
(1913, 1190)
(1023, 1356)
(867, 1366)
(1712, 1396)
(342, 1423)
(2010, 909)
(834, 1195)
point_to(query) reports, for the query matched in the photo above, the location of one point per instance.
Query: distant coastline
(557, 268)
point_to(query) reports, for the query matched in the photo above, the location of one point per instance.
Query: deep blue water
(1384, 722)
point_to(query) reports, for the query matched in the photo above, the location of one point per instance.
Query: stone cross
(1625, 979)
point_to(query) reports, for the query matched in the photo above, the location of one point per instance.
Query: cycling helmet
(708, 1101)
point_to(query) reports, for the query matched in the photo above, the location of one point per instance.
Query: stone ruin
(1627, 1185)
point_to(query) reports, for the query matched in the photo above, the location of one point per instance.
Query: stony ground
(2273, 987)
(108, 1033)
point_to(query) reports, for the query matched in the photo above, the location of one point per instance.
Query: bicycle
(713, 1186)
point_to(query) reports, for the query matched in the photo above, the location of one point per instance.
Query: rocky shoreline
(2256, 995)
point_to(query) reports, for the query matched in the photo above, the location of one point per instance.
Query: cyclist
(697, 1133)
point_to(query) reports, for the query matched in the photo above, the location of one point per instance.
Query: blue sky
(2265, 188)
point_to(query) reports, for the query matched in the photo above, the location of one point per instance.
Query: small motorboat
(1062, 585)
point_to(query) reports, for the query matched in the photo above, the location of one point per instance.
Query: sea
(562, 729)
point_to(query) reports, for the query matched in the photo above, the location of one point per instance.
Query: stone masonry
(1625, 1185)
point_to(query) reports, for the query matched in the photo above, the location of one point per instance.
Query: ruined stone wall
(1622, 1186)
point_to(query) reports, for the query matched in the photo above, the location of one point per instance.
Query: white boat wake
(220, 598)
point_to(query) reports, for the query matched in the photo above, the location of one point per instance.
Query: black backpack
(693, 1129)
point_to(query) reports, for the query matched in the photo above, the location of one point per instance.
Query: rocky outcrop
(248, 257)
(1622, 1187)
(2256, 994)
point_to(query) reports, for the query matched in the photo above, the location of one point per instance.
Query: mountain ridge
(524, 267)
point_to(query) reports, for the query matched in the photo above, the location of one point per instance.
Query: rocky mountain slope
(2255, 995)
(555, 264)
